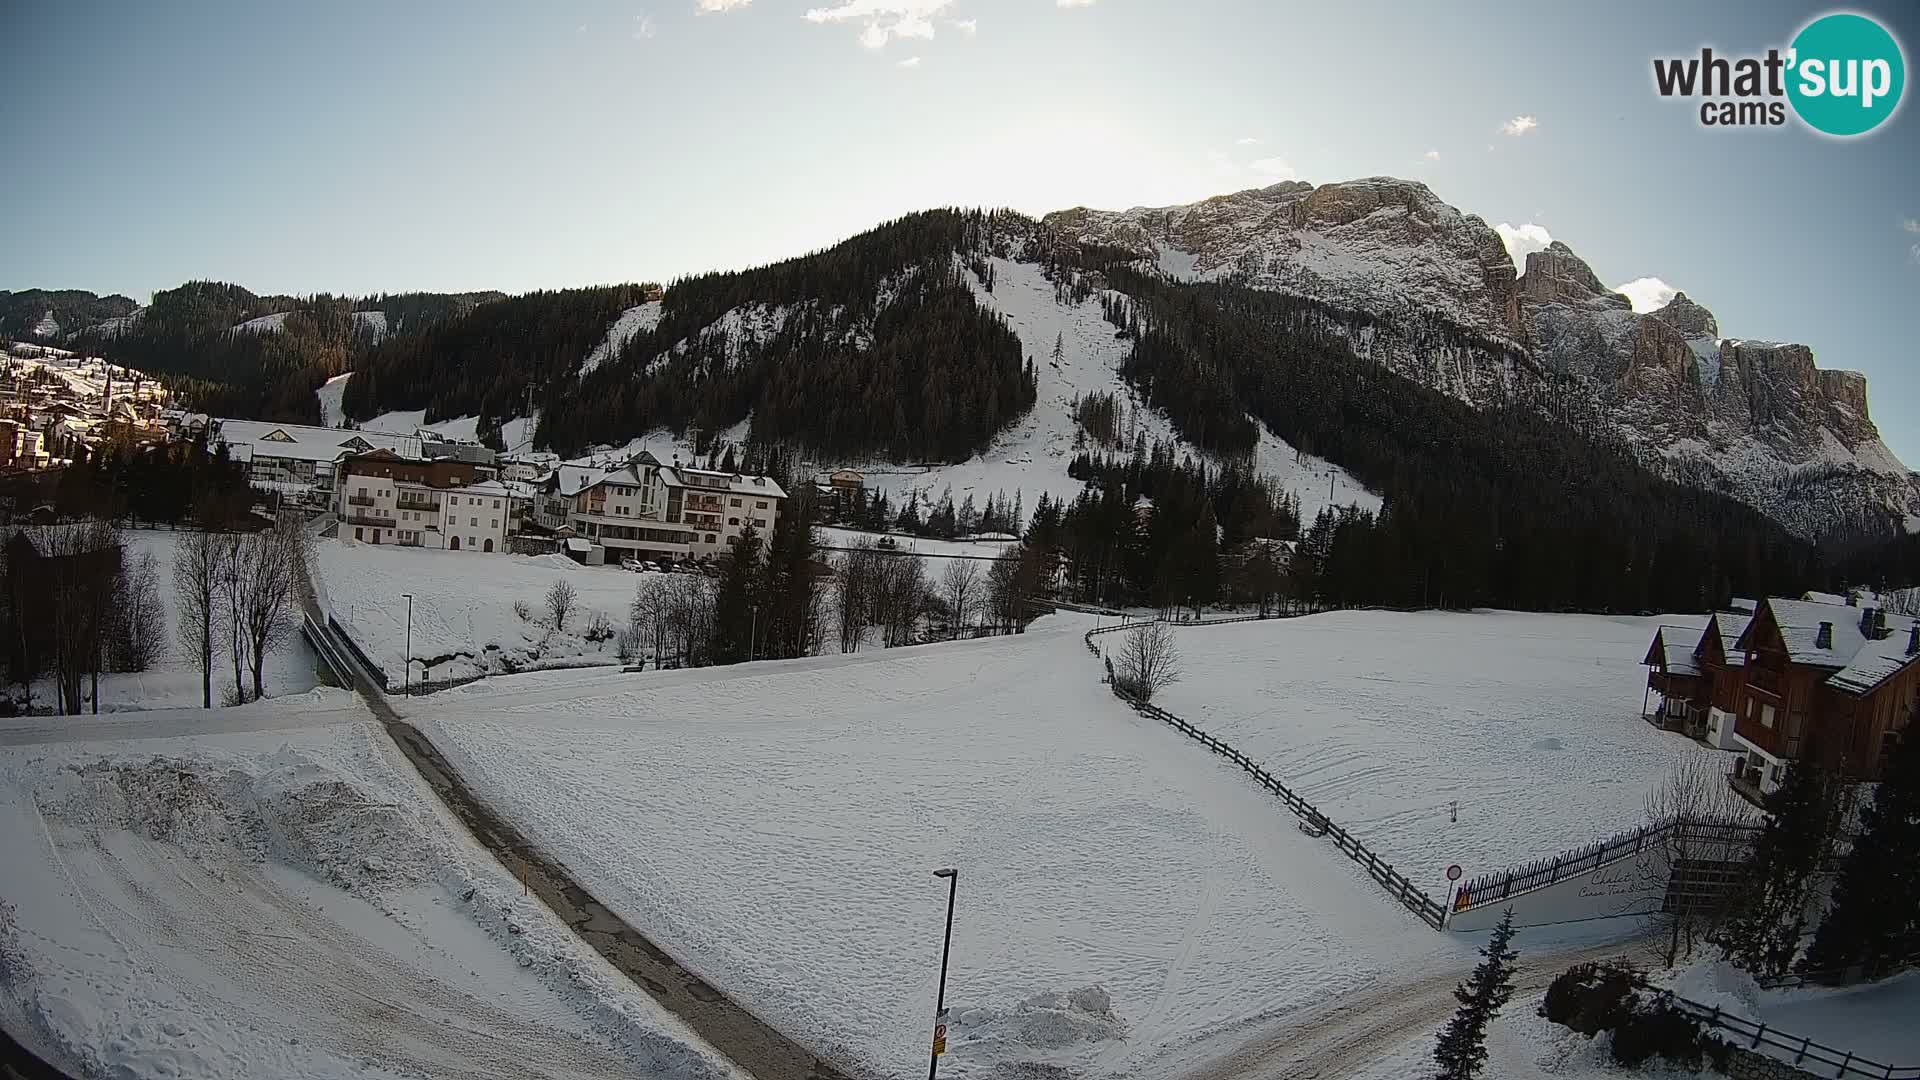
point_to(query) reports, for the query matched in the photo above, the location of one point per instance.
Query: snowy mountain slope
(1755, 420)
(1032, 455)
(640, 319)
(118, 324)
(265, 324)
(329, 396)
(373, 324)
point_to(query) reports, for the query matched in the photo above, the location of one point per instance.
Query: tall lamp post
(940, 1002)
(406, 680)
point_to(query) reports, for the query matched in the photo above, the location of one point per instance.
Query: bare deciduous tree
(267, 567)
(959, 586)
(139, 624)
(1697, 804)
(197, 561)
(859, 572)
(82, 561)
(562, 600)
(899, 598)
(1149, 662)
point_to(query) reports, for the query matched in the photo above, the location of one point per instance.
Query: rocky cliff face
(1755, 419)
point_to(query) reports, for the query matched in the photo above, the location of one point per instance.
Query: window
(496, 523)
(735, 502)
(496, 504)
(759, 523)
(473, 523)
(733, 521)
(761, 505)
(357, 533)
(1766, 716)
(470, 541)
(710, 538)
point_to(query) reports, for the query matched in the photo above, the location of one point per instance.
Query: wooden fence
(1805, 1051)
(1501, 885)
(1313, 822)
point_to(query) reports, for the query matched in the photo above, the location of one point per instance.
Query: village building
(644, 510)
(443, 504)
(1832, 679)
(299, 459)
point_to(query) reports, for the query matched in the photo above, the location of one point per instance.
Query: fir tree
(1874, 923)
(1462, 1049)
(736, 607)
(1763, 935)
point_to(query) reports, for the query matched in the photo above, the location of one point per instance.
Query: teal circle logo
(1847, 74)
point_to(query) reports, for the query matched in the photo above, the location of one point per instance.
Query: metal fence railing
(1500, 885)
(1315, 823)
(1805, 1052)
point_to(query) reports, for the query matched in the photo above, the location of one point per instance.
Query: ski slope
(776, 825)
(1032, 455)
(1530, 723)
(278, 895)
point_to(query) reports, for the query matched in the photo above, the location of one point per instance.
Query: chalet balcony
(1765, 680)
(405, 503)
(360, 500)
(369, 519)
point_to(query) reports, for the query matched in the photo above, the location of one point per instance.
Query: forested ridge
(1500, 506)
(72, 309)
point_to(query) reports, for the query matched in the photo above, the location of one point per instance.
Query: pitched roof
(1799, 622)
(1673, 649)
(302, 442)
(1877, 661)
(1731, 625)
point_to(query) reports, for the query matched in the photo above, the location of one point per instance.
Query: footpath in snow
(284, 898)
(775, 826)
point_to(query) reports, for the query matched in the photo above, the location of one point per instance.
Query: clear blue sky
(365, 147)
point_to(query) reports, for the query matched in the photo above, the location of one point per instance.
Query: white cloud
(1647, 293)
(1274, 168)
(910, 62)
(643, 27)
(1432, 155)
(968, 27)
(884, 20)
(1523, 240)
(1519, 126)
(1248, 141)
(715, 7)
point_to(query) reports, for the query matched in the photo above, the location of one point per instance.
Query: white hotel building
(647, 510)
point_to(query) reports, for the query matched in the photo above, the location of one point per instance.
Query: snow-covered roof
(1732, 624)
(1877, 661)
(302, 442)
(580, 545)
(571, 480)
(764, 487)
(1676, 649)
(492, 488)
(1800, 621)
(1812, 597)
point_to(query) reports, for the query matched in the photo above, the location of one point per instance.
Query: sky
(368, 147)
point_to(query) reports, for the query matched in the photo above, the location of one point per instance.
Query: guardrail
(1804, 1050)
(1313, 822)
(1500, 885)
(372, 669)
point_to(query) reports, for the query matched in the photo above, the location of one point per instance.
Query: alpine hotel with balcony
(1825, 677)
(445, 504)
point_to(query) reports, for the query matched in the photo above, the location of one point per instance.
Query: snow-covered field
(1125, 902)
(174, 682)
(935, 553)
(275, 893)
(1531, 723)
(464, 623)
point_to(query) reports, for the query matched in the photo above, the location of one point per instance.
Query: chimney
(1867, 624)
(1853, 599)
(1824, 639)
(1913, 641)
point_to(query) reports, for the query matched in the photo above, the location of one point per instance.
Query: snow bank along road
(290, 901)
(742, 1036)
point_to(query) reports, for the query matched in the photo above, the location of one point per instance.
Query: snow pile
(775, 826)
(1529, 724)
(464, 622)
(637, 320)
(291, 904)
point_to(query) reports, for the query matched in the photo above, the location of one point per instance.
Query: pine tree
(1874, 922)
(1763, 935)
(736, 607)
(1462, 1049)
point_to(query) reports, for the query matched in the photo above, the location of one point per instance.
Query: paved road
(750, 1042)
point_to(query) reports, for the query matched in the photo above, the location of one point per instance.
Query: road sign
(940, 1033)
(1453, 872)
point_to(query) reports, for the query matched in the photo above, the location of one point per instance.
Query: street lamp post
(940, 1001)
(406, 680)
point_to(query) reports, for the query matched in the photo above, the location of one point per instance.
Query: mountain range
(957, 338)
